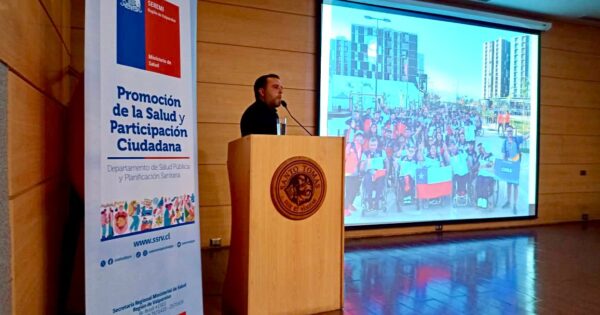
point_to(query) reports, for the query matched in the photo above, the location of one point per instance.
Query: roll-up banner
(142, 247)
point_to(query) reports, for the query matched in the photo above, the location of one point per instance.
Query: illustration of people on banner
(121, 218)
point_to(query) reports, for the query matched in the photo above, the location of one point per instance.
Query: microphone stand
(284, 104)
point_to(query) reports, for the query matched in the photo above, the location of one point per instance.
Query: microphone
(284, 104)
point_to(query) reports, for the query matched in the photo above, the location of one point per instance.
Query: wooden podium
(279, 265)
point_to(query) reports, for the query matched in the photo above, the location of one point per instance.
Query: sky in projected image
(439, 41)
(440, 117)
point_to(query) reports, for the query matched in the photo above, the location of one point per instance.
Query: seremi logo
(148, 36)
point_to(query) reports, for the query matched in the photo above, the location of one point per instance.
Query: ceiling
(571, 9)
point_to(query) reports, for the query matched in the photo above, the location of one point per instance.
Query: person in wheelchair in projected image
(460, 177)
(486, 183)
(353, 155)
(374, 165)
(406, 172)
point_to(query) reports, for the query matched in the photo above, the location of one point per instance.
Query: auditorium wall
(237, 41)
(241, 39)
(35, 52)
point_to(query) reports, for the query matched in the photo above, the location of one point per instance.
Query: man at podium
(261, 117)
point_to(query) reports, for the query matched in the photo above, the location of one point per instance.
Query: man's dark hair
(261, 82)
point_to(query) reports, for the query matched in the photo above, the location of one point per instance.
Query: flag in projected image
(434, 182)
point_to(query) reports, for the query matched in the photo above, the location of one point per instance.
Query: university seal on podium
(298, 188)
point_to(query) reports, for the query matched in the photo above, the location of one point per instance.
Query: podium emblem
(298, 188)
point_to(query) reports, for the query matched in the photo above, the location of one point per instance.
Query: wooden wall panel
(570, 93)
(561, 178)
(302, 108)
(33, 48)
(294, 130)
(213, 140)
(227, 64)
(573, 37)
(570, 121)
(60, 13)
(215, 223)
(570, 65)
(37, 225)
(221, 103)
(213, 186)
(224, 103)
(267, 29)
(564, 206)
(302, 7)
(77, 14)
(77, 36)
(36, 136)
(565, 149)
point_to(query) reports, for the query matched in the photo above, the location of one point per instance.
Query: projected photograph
(439, 116)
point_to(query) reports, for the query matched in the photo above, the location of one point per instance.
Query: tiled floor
(542, 270)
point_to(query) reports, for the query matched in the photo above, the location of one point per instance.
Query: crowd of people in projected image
(434, 163)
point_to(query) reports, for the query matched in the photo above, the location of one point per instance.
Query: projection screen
(439, 114)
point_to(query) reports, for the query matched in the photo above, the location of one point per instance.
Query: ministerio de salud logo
(298, 188)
